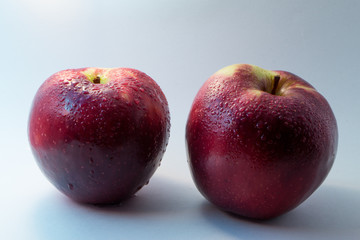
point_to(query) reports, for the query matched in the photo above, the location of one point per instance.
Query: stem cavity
(96, 80)
(276, 83)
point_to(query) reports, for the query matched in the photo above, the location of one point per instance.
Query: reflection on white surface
(156, 213)
(331, 213)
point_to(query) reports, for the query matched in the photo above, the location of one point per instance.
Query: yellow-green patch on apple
(97, 75)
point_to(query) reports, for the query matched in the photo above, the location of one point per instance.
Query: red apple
(99, 134)
(259, 142)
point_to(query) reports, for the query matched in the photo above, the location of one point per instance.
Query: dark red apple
(99, 134)
(259, 142)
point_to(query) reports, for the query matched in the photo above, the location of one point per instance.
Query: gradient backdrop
(179, 43)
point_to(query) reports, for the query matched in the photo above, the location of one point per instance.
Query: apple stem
(96, 80)
(276, 83)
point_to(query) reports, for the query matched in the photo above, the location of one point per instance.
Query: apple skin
(256, 149)
(99, 143)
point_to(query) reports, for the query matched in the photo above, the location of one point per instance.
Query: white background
(179, 43)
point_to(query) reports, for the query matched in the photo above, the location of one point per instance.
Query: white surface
(179, 43)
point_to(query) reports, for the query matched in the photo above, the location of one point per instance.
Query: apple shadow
(330, 213)
(57, 217)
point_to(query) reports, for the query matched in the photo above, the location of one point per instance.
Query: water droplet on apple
(249, 114)
(260, 125)
(74, 84)
(263, 137)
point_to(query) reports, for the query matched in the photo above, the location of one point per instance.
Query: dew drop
(260, 125)
(249, 114)
(74, 83)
